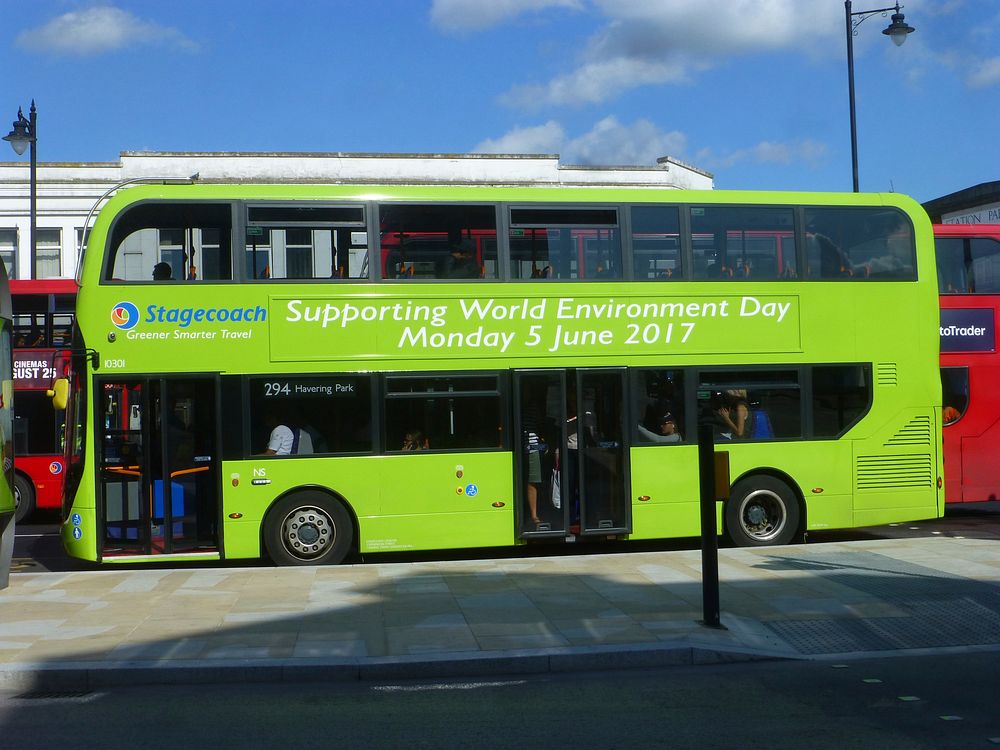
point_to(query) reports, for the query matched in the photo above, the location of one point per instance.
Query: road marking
(445, 686)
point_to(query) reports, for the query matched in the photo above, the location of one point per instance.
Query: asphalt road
(912, 702)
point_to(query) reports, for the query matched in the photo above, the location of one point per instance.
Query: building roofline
(977, 195)
(334, 155)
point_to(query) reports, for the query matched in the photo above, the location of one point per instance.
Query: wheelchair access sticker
(472, 490)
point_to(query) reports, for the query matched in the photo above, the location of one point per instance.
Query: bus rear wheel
(308, 528)
(761, 511)
(24, 498)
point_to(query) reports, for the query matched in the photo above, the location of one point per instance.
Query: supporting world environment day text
(540, 324)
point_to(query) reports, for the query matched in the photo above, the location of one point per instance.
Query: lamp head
(20, 136)
(898, 29)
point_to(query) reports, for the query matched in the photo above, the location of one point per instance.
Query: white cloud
(806, 151)
(647, 42)
(985, 74)
(481, 14)
(609, 142)
(540, 139)
(648, 27)
(596, 82)
(97, 30)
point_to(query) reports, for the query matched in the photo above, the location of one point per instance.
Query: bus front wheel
(24, 498)
(761, 511)
(308, 528)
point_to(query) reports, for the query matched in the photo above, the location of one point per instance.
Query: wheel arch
(26, 477)
(332, 494)
(33, 500)
(787, 479)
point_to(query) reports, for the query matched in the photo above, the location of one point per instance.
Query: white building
(67, 191)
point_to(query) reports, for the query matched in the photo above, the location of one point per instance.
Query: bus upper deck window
(565, 243)
(743, 242)
(866, 243)
(193, 239)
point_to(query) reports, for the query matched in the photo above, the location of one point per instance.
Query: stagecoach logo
(55, 468)
(125, 316)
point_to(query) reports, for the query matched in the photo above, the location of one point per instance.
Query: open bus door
(571, 425)
(158, 465)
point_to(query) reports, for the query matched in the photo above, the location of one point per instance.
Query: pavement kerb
(85, 676)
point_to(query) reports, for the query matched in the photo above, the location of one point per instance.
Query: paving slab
(82, 630)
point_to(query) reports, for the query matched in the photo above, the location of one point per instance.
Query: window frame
(501, 392)
(268, 224)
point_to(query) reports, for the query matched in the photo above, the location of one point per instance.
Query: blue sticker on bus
(472, 490)
(77, 533)
(76, 518)
(967, 330)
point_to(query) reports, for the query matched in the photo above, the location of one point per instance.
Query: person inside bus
(162, 272)
(738, 412)
(288, 441)
(415, 440)
(718, 415)
(666, 431)
(534, 446)
(36, 337)
(285, 439)
(461, 262)
(731, 414)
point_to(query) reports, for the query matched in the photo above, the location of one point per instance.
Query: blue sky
(753, 91)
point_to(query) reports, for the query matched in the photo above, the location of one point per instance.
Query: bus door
(158, 465)
(572, 468)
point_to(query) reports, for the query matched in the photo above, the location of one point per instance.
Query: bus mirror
(59, 393)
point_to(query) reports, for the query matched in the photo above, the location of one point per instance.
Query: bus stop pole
(709, 535)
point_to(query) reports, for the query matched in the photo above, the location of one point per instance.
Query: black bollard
(709, 534)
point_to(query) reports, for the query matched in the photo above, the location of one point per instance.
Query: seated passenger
(665, 433)
(162, 272)
(288, 441)
(415, 440)
(461, 262)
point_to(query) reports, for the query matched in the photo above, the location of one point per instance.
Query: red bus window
(955, 393)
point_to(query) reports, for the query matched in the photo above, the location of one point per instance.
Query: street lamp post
(897, 30)
(23, 134)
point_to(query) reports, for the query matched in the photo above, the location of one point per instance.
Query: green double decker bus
(313, 371)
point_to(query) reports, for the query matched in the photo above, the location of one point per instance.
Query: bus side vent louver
(885, 373)
(894, 472)
(916, 432)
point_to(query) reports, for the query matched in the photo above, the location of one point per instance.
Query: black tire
(24, 498)
(308, 528)
(761, 511)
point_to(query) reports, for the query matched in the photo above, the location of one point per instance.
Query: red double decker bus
(43, 323)
(968, 261)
